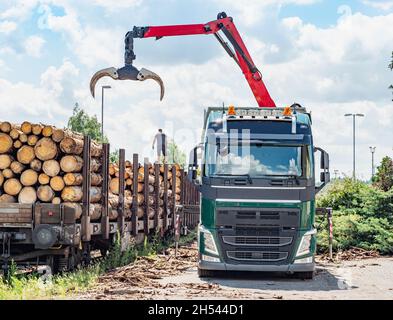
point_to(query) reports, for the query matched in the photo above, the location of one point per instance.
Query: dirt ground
(167, 277)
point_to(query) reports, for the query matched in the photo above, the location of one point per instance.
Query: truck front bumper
(222, 266)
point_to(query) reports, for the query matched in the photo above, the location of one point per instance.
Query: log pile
(140, 189)
(41, 163)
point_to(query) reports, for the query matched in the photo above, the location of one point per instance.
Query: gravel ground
(166, 277)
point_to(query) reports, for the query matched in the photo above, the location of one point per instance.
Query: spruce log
(71, 163)
(7, 173)
(47, 131)
(73, 179)
(57, 183)
(43, 179)
(57, 135)
(95, 165)
(114, 185)
(56, 200)
(113, 214)
(45, 149)
(6, 198)
(45, 193)
(26, 127)
(23, 137)
(73, 144)
(5, 126)
(29, 177)
(5, 142)
(1, 179)
(95, 179)
(32, 140)
(51, 168)
(72, 194)
(17, 144)
(36, 165)
(12, 186)
(36, 129)
(5, 161)
(14, 133)
(27, 195)
(95, 194)
(95, 211)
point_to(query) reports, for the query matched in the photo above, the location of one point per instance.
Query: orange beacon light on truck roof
(231, 111)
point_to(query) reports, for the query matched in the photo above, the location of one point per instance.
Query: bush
(362, 217)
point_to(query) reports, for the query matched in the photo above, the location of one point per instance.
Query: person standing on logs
(161, 139)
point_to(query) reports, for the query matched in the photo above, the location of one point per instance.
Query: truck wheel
(202, 273)
(308, 275)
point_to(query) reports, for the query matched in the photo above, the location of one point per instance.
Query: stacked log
(42, 163)
(140, 189)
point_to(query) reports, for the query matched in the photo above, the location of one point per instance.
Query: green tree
(384, 176)
(81, 122)
(175, 155)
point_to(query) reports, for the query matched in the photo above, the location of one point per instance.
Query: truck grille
(257, 241)
(257, 255)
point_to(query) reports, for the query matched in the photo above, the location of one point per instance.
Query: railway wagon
(54, 235)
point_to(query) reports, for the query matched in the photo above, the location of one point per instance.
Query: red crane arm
(240, 54)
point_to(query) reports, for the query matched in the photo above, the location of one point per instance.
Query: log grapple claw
(128, 72)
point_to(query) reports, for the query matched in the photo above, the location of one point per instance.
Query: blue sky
(330, 56)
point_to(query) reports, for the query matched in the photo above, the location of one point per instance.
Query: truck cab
(257, 182)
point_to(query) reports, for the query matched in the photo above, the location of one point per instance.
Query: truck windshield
(254, 159)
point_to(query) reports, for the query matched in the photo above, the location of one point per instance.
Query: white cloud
(19, 10)
(382, 5)
(7, 26)
(117, 4)
(33, 46)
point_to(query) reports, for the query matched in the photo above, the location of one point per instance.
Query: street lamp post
(372, 149)
(354, 115)
(102, 111)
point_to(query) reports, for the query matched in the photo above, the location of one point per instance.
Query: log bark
(95, 179)
(95, 165)
(26, 127)
(5, 142)
(51, 168)
(36, 165)
(95, 211)
(1, 179)
(12, 186)
(71, 163)
(43, 179)
(57, 183)
(45, 193)
(73, 144)
(29, 177)
(6, 198)
(113, 214)
(95, 194)
(7, 173)
(32, 140)
(5, 161)
(36, 129)
(27, 195)
(45, 149)
(5, 126)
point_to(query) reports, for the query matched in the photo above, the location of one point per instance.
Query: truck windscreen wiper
(236, 175)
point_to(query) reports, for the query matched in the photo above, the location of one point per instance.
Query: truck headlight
(305, 243)
(208, 240)
(210, 259)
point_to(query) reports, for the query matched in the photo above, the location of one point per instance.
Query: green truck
(258, 175)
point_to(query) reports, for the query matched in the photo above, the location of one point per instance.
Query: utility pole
(102, 111)
(372, 149)
(354, 115)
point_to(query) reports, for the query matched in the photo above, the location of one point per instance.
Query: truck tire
(202, 273)
(307, 275)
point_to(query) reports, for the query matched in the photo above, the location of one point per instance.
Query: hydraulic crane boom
(225, 24)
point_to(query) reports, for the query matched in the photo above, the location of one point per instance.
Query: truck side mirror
(193, 165)
(324, 166)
